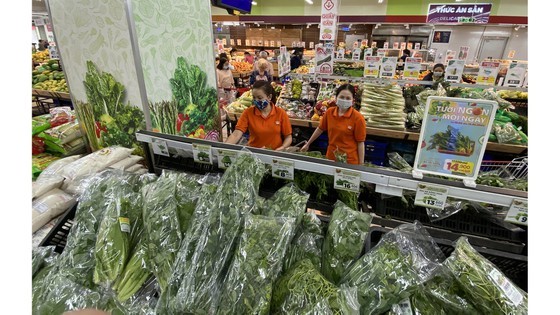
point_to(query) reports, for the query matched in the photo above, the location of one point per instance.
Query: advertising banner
(329, 20)
(478, 13)
(372, 65)
(412, 68)
(454, 70)
(488, 72)
(324, 54)
(454, 136)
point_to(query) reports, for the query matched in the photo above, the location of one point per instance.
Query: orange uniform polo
(344, 132)
(265, 131)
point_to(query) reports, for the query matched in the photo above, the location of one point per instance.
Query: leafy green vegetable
(307, 242)
(42, 257)
(288, 201)
(344, 241)
(134, 275)
(483, 283)
(303, 290)
(403, 259)
(257, 262)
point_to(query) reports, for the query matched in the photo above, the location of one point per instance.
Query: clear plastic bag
(134, 274)
(307, 243)
(396, 161)
(45, 185)
(209, 242)
(403, 259)
(56, 167)
(344, 240)
(484, 283)
(288, 201)
(247, 288)
(49, 206)
(451, 207)
(303, 290)
(42, 257)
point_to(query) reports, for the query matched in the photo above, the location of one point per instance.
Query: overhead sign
(455, 13)
(324, 54)
(454, 70)
(329, 20)
(454, 136)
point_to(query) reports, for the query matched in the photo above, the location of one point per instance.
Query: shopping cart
(517, 168)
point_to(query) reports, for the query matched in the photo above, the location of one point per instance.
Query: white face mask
(343, 104)
(438, 73)
(226, 67)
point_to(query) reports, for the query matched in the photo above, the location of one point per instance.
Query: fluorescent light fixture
(380, 1)
(407, 26)
(309, 1)
(517, 27)
(308, 25)
(350, 26)
(272, 27)
(377, 25)
(254, 3)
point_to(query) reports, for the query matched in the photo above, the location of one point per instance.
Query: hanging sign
(454, 70)
(368, 52)
(356, 54)
(431, 196)
(488, 72)
(516, 74)
(454, 13)
(372, 65)
(463, 52)
(518, 212)
(388, 67)
(325, 58)
(329, 20)
(202, 153)
(412, 68)
(340, 53)
(283, 169)
(226, 158)
(454, 136)
(347, 180)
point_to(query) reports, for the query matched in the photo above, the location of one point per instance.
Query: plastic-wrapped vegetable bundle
(485, 285)
(209, 242)
(307, 242)
(161, 223)
(257, 262)
(134, 275)
(42, 257)
(383, 106)
(303, 290)
(288, 201)
(344, 241)
(44, 260)
(403, 259)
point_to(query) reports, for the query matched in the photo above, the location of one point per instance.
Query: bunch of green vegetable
(247, 288)
(41, 257)
(483, 283)
(134, 275)
(344, 241)
(403, 259)
(383, 106)
(397, 162)
(303, 290)
(307, 243)
(489, 179)
(288, 201)
(163, 232)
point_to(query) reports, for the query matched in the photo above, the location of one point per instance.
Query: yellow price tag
(457, 166)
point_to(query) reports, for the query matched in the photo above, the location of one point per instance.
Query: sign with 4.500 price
(347, 180)
(430, 196)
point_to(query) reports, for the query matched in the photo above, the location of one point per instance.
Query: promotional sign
(232, 42)
(388, 67)
(53, 52)
(226, 158)
(488, 72)
(386, 45)
(329, 20)
(381, 52)
(325, 58)
(441, 37)
(430, 196)
(454, 70)
(356, 54)
(515, 74)
(449, 55)
(347, 180)
(396, 45)
(283, 169)
(403, 46)
(224, 41)
(518, 212)
(311, 45)
(412, 68)
(368, 52)
(247, 42)
(160, 147)
(340, 53)
(202, 153)
(238, 42)
(253, 42)
(478, 13)
(454, 136)
(409, 46)
(373, 44)
(372, 65)
(417, 46)
(284, 61)
(463, 52)
(265, 43)
(364, 42)
(511, 54)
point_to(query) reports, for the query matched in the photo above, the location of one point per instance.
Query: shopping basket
(517, 168)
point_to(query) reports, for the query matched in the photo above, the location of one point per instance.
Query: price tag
(347, 180)
(403, 308)
(356, 54)
(430, 196)
(160, 147)
(457, 166)
(506, 287)
(125, 224)
(202, 153)
(283, 169)
(247, 42)
(226, 158)
(311, 45)
(238, 42)
(518, 212)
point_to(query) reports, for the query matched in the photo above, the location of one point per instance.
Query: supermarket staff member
(345, 126)
(268, 125)
(435, 75)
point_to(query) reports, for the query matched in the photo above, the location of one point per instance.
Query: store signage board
(329, 20)
(238, 42)
(417, 46)
(356, 54)
(226, 158)
(518, 212)
(284, 61)
(202, 153)
(430, 196)
(340, 53)
(454, 70)
(368, 52)
(283, 169)
(453, 137)
(488, 72)
(516, 74)
(53, 52)
(386, 45)
(372, 65)
(388, 67)
(403, 46)
(463, 52)
(396, 45)
(412, 68)
(347, 180)
(160, 147)
(454, 13)
(324, 55)
(449, 55)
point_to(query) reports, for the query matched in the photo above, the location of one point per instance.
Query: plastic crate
(515, 267)
(184, 164)
(462, 222)
(59, 233)
(375, 149)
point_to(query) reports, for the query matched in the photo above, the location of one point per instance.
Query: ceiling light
(309, 1)
(517, 27)
(406, 25)
(377, 25)
(308, 25)
(254, 3)
(350, 26)
(380, 1)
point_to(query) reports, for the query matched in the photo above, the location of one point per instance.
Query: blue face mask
(260, 104)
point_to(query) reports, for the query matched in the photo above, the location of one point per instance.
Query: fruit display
(296, 108)
(48, 76)
(40, 56)
(514, 95)
(243, 102)
(423, 74)
(242, 66)
(383, 106)
(302, 70)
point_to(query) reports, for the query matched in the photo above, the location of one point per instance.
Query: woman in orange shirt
(345, 126)
(269, 126)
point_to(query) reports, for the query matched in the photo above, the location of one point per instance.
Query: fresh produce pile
(516, 95)
(57, 133)
(241, 66)
(41, 56)
(355, 69)
(243, 102)
(295, 108)
(302, 70)
(48, 76)
(383, 106)
(293, 89)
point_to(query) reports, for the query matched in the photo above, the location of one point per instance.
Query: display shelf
(388, 178)
(400, 135)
